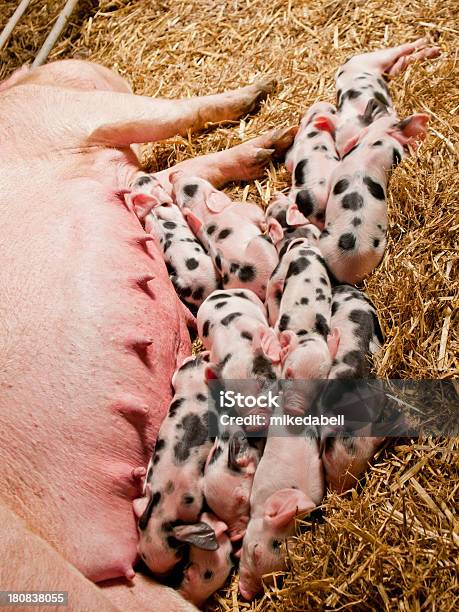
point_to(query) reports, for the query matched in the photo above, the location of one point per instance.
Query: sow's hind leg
(243, 162)
(116, 119)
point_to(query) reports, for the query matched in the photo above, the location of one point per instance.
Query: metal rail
(12, 22)
(51, 39)
(56, 31)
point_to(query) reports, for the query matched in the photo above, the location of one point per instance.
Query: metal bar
(15, 17)
(56, 31)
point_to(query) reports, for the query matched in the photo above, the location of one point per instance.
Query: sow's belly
(88, 345)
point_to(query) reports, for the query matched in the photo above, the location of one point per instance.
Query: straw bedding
(392, 544)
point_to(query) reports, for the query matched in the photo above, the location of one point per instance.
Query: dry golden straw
(394, 544)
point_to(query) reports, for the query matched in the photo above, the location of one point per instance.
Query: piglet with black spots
(311, 160)
(228, 478)
(233, 327)
(232, 232)
(345, 457)
(190, 268)
(299, 307)
(360, 332)
(362, 92)
(288, 482)
(173, 492)
(207, 570)
(354, 237)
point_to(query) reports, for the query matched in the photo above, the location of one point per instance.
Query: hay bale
(392, 545)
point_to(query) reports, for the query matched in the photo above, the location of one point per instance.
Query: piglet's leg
(117, 119)
(240, 163)
(393, 60)
(402, 62)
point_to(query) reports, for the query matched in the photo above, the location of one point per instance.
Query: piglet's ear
(324, 122)
(238, 451)
(199, 534)
(411, 129)
(188, 359)
(350, 144)
(333, 341)
(211, 372)
(265, 339)
(289, 342)
(282, 506)
(175, 176)
(139, 505)
(194, 223)
(141, 203)
(294, 216)
(217, 201)
(275, 231)
(217, 525)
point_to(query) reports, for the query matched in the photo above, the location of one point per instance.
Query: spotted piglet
(299, 307)
(190, 268)
(360, 332)
(233, 326)
(362, 92)
(232, 233)
(228, 478)
(288, 482)
(311, 160)
(354, 237)
(173, 493)
(207, 570)
(284, 211)
(345, 457)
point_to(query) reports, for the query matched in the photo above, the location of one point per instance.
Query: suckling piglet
(207, 570)
(173, 493)
(299, 307)
(233, 327)
(190, 268)
(232, 233)
(146, 192)
(354, 237)
(311, 160)
(287, 483)
(228, 478)
(284, 211)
